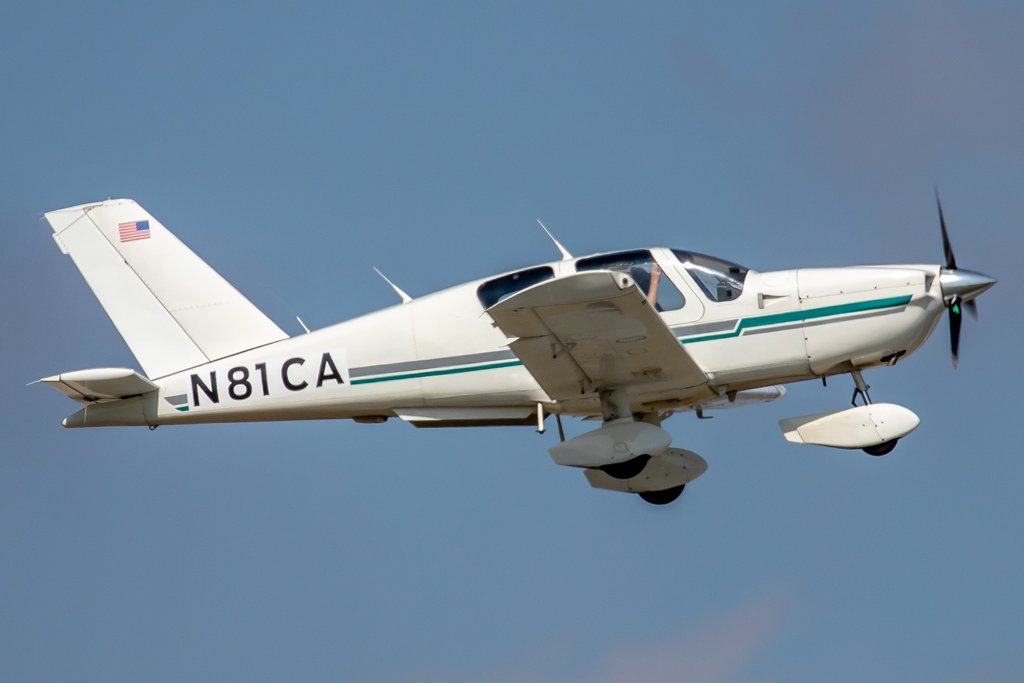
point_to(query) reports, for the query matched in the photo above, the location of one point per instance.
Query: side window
(493, 291)
(720, 280)
(639, 265)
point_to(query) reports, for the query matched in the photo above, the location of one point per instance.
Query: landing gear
(626, 469)
(662, 497)
(630, 453)
(883, 448)
(861, 390)
(872, 427)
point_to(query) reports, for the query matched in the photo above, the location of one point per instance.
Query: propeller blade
(946, 246)
(972, 308)
(955, 317)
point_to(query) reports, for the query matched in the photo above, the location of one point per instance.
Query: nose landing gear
(860, 389)
(872, 427)
(883, 448)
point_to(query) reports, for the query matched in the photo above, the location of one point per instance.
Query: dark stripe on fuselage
(432, 363)
(704, 328)
(721, 329)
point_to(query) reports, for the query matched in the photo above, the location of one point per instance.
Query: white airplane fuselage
(441, 356)
(629, 337)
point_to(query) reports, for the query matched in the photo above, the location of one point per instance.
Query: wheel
(883, 448)
(626, 469)
(662, 497)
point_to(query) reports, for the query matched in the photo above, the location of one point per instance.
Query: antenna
(303, 324)
(405, 297)
(565, 252)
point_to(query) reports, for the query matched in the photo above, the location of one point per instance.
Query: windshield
(720, 280)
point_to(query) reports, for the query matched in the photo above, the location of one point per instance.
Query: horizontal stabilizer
(100, 384)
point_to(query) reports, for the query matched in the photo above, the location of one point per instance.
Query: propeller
(955, 318)
(959, 287)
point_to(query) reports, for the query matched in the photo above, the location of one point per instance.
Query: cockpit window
(720, 280)
(493, 291)
(645, 271)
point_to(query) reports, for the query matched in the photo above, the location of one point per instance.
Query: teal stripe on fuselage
(810, 314)
(745, 323)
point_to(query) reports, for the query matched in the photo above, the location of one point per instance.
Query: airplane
(626, 337)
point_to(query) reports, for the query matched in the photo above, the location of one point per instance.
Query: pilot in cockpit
(647, 282)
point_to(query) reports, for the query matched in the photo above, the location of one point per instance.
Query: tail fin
(172, 309)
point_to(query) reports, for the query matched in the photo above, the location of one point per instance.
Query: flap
(484, 416)
(590, 331)
(100, 384)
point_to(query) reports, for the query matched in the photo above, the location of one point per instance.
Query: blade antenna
(566, 256)
(398, 290)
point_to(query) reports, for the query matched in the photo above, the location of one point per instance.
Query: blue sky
(295, 145)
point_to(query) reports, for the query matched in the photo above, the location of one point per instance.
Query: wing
(590, 331)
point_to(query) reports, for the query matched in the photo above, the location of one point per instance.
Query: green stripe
(793, 316)
(746, 323)
(436, 373)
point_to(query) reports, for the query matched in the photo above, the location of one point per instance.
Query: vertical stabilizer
(172, 309)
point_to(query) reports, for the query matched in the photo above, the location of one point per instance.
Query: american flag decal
(136, 230)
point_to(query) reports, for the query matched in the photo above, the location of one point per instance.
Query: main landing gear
(630, 453)
(627, 469)
(662, 497)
